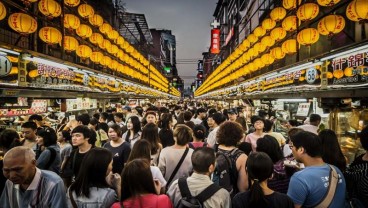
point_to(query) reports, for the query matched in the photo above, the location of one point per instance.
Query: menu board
(303, 109)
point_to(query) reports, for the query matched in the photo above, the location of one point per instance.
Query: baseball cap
(127, 108)
(232, 111)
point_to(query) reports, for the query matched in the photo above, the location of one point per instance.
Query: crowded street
(183, 104)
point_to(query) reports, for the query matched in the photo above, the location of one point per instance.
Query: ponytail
(256, 195)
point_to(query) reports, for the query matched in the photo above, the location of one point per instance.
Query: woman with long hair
(166, 134)
(331, 151)
(95, 185)
(64, 139)
(49, 158)
(259, 167)
(150, 133)
(119, 148)
(281, 174)
(133, 134)
(139, 190)
(142, 150)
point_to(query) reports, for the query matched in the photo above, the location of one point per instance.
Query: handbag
(177, 167)
(332, 181)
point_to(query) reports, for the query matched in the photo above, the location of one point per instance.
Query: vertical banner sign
(215, 41)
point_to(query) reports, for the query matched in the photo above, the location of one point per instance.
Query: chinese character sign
(215, 41)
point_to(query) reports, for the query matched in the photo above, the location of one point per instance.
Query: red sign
(215, 41)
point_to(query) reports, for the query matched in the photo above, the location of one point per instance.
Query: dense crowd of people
(179, 156)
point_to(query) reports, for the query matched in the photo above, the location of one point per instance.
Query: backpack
(189, 201)
(226, 174)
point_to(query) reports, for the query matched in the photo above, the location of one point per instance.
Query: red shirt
(146, 201)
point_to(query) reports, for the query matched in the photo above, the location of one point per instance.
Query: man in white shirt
(314, 121)
(203, 160)
(218, 118)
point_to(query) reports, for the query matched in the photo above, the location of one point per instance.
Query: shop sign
(38, 106)
(303, 109)
(80, 104)
(215, 41)
(348, 70)
(41, 75)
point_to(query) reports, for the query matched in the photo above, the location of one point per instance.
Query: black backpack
(189, 201)
(226, 174)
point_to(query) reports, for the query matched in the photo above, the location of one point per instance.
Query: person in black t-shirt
(260, 168)
(119, 148)
(80, 138)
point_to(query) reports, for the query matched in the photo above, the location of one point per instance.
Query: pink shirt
(146, 201)
(252, 139)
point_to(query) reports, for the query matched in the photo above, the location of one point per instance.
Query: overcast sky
(189, 21)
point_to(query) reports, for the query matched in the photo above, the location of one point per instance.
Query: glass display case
(347, 124)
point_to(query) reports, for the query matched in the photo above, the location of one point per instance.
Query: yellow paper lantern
(96, 38)
(22, 23)
(105, 61)
(278, 33)
(290, 23)
(268, 41)
(96, 57)
(259, 48)
(105, 28)
(84, 31)
(72, 3)
(357, 10)
(86, 10)
(308, 36)
(327, 2)
(2, 11)
(119, 40)
(268, 24)
(259, 31)
(113, 49)
(252, 38)
(70, 43)
(267, 59)
(258, 63)
(331, 24)
(307, 11)
(278, 14)
(289, 46)
(71, 21)
(84, 51)
(49, 8)
(114, 64)
(50, 35)
(96, 20)
(105, 44)
(290, 4)
(113, 35)
(277, 53)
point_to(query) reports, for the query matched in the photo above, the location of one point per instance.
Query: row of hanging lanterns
(328, 25)
(26, 24)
